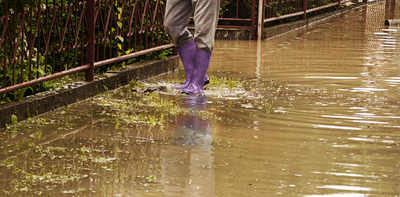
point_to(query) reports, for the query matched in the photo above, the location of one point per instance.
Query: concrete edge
(278, 30)
(50, 100)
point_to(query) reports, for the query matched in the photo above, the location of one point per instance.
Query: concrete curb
(47, 101)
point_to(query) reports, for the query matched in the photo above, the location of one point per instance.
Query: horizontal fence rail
(44, 39)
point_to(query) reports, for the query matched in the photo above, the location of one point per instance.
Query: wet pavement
(311, 113)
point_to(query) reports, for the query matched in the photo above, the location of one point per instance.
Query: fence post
(89, 56)
(253, 20)
(260, 19)
(175, 52)
(338, 5)
(305, 9)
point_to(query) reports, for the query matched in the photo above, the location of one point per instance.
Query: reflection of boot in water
(190, 125)
(188, 159)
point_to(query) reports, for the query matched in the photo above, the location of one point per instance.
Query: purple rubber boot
(187, 53)
(196, 82)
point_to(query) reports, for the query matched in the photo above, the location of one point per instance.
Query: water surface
(310, 113)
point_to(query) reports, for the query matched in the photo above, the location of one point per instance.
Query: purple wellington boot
(197, 80)
(187, 53)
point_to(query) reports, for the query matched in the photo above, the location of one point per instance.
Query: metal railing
(42, 41)
(236, 14)
(279, 9)
(275, 10)
(242, 11)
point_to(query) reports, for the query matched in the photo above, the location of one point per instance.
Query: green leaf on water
(36, 135)
(151, 178)
(13, 135)
(16, 171)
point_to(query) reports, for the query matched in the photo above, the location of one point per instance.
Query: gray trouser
(177, 16)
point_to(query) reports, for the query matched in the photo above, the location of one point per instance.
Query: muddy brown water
(314, 112)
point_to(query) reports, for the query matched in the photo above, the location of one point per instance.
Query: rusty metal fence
(280, 9)
(45, 39)
(238, 11)
(275, 10)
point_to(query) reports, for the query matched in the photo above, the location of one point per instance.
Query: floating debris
(150, 89)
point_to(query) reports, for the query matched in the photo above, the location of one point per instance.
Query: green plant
(133, 83)
(151, 178)
(231, 84)
(14, 120)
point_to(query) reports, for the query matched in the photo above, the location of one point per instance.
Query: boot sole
(205, 83)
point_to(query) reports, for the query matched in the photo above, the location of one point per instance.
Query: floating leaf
(13, 135)
(151, 178)
(16, 171)
(36, 135)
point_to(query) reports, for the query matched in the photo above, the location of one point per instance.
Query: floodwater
(310, 113)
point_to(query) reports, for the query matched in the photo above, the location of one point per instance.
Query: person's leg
(176, 20)
(177, 17)
(177, 14)
(205, 20)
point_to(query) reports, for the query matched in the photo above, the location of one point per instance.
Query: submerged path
(314, 112)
